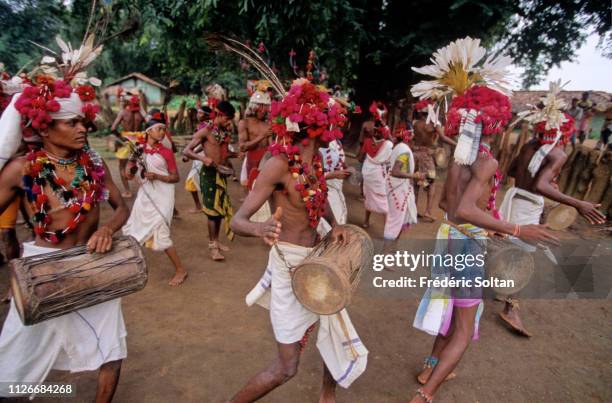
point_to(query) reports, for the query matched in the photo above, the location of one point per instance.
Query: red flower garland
(548, 136)
(495, 110)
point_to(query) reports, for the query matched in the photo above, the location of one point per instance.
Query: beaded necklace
(311, 185)
(84, 191)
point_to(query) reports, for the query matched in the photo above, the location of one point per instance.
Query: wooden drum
(325, 281)
(561, 217)
(54, 284)
(508, 261)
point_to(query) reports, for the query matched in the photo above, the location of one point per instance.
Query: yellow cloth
(190, 185)
(8, 219)
(123, 152)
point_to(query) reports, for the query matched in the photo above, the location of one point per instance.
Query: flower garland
(495, 110)
(84, 191)
(310, 183)
(548, 136)
(37, 102)
(485, 149)
(329, 165)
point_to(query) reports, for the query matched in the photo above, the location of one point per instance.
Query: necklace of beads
(84, 191)
(311, 185)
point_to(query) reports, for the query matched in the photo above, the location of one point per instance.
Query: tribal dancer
(63, 184)
(426, 134)
(151, 216)
(293, 182)
(400, 191)
(334, 166)
(477, 113)
(254, 132)
(192, 182)
(214, 139)
(377, 151)
(535, 170)
(131, 119)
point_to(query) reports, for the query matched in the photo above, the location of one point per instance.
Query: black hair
(226, 108)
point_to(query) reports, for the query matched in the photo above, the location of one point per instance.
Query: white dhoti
(192, 182)
(400, 195)
(524, 208)
(82, 340)
(339, 345)
(375, 179)
(151, 214)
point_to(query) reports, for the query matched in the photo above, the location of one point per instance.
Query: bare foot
(178, 278)
(327, 397)
(194, 210)
(126, 195)
(426, 217)
(215, 254)
(423, 377)
(222, 247)
(510, 317)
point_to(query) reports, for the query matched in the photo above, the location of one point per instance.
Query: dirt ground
(200, 342)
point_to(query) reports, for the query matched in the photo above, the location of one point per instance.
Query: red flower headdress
(548, 136)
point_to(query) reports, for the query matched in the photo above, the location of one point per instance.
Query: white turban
(70, 108)
(10, 124)
(259, 97)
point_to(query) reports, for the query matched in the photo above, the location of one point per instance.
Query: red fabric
(370, 148)
(254, 158)
(252, 177)
(167, 155)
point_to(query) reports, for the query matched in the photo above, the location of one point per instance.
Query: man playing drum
(452, 314)
(535, 170)
(63, 184)
(293, 182)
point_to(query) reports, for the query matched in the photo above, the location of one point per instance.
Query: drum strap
(465, 232)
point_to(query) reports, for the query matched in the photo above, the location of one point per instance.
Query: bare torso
(457, 180)
(257, 128)
(213, 149)
(61, 216)
(295, 223)
(519, 171)
(131, 121)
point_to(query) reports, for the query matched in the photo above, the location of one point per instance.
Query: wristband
(517, 231)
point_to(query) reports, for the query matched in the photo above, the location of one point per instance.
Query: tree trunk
(566, 171)
(601, 177)
(584, 178)
(580, 162)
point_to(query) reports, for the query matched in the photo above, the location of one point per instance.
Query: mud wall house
(153, 90)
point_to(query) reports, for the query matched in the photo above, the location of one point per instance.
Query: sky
(588, 71)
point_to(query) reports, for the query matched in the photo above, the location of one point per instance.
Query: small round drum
(326, 279)
(561, 217)
(54, 284)
(507, 261)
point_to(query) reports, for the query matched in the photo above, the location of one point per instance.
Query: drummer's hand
(339, 234)
(590, 212)
(100, 241)
(534, 233)
(271, 228)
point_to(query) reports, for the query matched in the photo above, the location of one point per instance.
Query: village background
(199, 342)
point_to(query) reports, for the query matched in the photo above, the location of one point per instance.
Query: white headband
(70, 108)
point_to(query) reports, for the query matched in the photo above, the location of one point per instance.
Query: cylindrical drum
(441, 157)
(326, 279)
(54, 284)
(561, 217)
(508, 261)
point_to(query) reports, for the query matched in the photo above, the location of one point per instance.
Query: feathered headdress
(57, 89)
(550, 123)
(303, 108)
(479, 87)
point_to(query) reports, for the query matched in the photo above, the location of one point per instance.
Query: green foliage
(366, 45)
